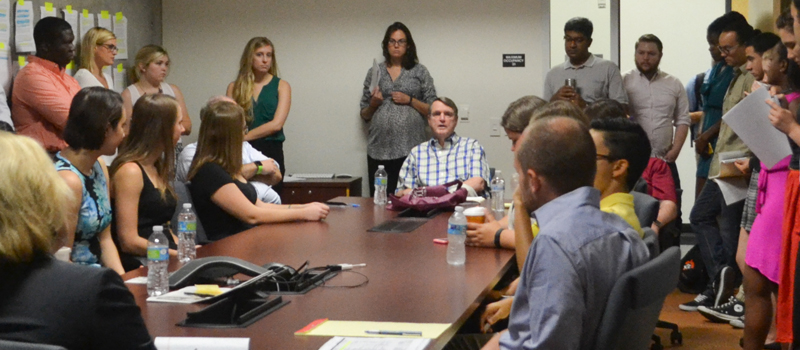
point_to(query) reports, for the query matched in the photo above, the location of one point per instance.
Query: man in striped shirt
(446, 157)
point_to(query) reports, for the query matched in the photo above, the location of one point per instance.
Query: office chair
(184, 196)
(15, 345)
(635, 302)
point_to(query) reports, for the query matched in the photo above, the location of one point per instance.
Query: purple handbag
(436, 197)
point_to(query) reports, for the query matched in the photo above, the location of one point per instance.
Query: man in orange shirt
(43, 91)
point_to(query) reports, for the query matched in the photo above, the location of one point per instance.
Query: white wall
(562, 10)
(324, 50)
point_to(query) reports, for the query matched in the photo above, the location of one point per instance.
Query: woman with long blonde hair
(265, 98)
(142, 174)
(225, 202)
(43, 300)
(98, 49)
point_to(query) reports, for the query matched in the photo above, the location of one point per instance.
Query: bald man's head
(560, 150)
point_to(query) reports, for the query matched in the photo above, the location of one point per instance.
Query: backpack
(693, 278)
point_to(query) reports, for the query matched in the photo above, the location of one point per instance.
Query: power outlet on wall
(494, 127)
(463, 113)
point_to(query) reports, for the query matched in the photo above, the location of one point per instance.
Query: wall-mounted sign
(513, 60)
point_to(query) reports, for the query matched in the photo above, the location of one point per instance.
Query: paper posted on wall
(23, 36)
(71, 16)
(85, 22)
(104, 20)
(5, 21)
(121, 32)
(47, 10)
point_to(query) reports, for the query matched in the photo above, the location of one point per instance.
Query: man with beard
(595, 78)
(580, 251)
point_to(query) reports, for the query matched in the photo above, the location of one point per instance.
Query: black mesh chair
(15, 345)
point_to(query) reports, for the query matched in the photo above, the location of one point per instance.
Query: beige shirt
(728, 140)
(658, 105)
(595, 79)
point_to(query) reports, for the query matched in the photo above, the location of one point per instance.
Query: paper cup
(476, 215)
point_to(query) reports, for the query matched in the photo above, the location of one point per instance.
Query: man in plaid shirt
(446, 157)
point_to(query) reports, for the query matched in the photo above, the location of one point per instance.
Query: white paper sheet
(5, 66)
(182, 296)
(121, 32)
(104, 20)
(119, 78)
(23, 36)
(45, 13)
(376, 76)
(137, 280)
(71, 16)
(750, 120)
(107, 70)
(733, 189)
(198, 343)
(5, 21)
(85, 22)
(352, 343)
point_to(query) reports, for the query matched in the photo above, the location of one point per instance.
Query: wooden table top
(409, 278)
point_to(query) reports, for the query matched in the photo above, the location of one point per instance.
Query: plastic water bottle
(187, 231)
(498, 192)
(381, 178)
(456, 235)
(157, 260)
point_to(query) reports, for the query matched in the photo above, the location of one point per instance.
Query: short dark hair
(763, 42)
(785, 21)
(48, 30)
(650, 38)
(580, 25)
(447, 102)
(561, 150)
(91, 112)
(518, 114)
(744, 31)
(716, 27)
(627, 140)
(410, 59)
(605, 108)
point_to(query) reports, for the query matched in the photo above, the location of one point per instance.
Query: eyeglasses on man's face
(727, 49)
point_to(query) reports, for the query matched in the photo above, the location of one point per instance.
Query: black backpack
(693, 278)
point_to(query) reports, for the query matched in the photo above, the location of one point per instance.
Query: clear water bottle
(381, 179)
(157, 260)
(187, 233)
(456, 235)
(498, 191)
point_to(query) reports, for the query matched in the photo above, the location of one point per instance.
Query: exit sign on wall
(513, 60)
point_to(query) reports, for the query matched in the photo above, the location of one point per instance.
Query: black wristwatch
(259, 167)
(658, 223)
(497, 238)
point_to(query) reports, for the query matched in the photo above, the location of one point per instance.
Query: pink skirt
(764, 246)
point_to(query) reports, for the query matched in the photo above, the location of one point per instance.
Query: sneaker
(738, 323)
(725, 286)
(724, 313)
(705, 298)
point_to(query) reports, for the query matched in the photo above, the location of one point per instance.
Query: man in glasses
(594, 77)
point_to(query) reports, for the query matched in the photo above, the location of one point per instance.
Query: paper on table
(137, 280)
(349, 343)
(358, 329)
(85, 22)
(24, 27)
(201, 343)
(180, 297)
(733, 189)
(5, 21)
(71, 16)
(121, 32)
(749, 119)
(376, 76)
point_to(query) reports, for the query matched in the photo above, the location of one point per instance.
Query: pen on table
(395, 332)
(199, 295)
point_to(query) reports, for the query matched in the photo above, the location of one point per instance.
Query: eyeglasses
(577, 40)
(110, 47)
(607, 157)
(727, 49)
(401, 42)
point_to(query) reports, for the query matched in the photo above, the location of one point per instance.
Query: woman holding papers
(98, 49)
(142, 174)
(43, 300)
(225, 202)
(265, 98)
(395, 101)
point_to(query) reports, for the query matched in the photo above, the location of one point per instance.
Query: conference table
(409, 278)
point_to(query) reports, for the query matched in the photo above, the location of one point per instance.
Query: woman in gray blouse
(397, 108)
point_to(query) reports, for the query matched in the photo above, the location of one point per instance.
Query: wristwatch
(259, 167)
(658, 223)
(497, 238)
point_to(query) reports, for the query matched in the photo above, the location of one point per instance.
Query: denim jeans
(716, 226)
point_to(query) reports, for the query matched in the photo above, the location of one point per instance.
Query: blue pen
(356, 205)
(395, 332)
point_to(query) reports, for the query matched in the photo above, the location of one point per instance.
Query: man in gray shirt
(595, 78)
(580, 251)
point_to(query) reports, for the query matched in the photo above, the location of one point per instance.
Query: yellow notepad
(328, 328)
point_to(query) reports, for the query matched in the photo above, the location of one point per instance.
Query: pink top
(40, 102)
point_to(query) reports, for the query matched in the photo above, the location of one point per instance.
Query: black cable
(366, 280)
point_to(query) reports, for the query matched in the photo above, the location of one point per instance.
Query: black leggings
(392, 167)
(274, 150)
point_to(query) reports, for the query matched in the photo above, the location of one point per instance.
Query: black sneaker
(724, 313)
(705, 298)
(725, 286)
